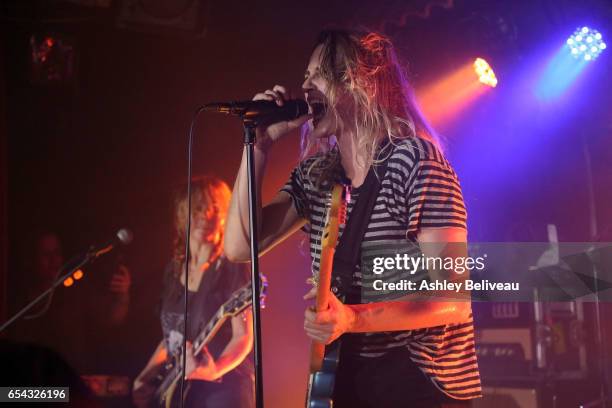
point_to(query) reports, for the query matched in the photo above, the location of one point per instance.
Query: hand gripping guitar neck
(324, 360)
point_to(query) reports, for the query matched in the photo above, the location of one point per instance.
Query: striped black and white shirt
(419, 190)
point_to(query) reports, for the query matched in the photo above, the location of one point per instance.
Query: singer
(395, 352)
(221, 375)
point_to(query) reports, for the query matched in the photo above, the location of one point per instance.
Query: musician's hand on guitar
(200, 367)
(329, 324)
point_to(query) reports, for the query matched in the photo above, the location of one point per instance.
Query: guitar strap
(348, 250)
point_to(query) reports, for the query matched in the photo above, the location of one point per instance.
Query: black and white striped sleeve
(296, 189)
(434, 195)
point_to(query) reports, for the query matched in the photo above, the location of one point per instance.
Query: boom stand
(76, 262)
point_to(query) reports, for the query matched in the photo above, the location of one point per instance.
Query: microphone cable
(187, 254)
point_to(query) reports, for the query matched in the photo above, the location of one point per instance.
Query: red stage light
(52, 59)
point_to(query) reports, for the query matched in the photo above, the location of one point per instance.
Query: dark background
(105, 149)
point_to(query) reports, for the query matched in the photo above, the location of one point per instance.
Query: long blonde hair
(365, 66)
(208, 193)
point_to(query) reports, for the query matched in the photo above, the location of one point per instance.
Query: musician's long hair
(209, 195)
(382, 106)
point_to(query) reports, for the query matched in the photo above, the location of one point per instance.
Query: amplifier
(506, 397)
(519, 339)
(539, 392)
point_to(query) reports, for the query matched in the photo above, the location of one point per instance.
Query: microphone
(124, 236)
(267, 111)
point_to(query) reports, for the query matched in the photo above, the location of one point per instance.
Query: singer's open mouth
(318, 110)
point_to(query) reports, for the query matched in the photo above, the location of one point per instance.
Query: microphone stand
(600, 336)
(84, 259)
(249, 142)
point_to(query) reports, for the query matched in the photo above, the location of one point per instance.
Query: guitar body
(321, 382)
(324, 360)
(167, 380)
(168, 391)
(172, 396)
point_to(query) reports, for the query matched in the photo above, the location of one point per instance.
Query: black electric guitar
(324, 360)
(168, 378)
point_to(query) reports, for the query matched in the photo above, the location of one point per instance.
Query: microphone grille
(125, 236)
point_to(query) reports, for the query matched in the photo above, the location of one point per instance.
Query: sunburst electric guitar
(167, 379)
(324, 360)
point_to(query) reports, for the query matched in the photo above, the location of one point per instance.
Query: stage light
(586, 43)
(444, 99)
(52, 59)
(485, 72)
(78, 274)
(68, 282)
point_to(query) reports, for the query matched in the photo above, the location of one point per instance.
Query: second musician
(221, 375)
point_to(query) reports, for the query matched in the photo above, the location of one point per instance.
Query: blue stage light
(586, 43)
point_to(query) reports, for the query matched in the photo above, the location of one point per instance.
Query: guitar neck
(239, 301)
(328, 249)
(210, 330)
